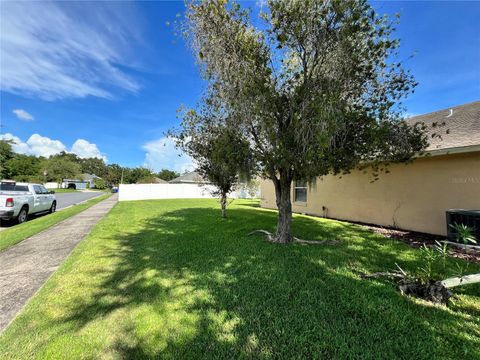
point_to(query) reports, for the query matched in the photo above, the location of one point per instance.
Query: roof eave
(450, 151)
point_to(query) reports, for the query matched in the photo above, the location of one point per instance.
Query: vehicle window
(44, 190)
(37, 189)
(7, 186)
(13, 187)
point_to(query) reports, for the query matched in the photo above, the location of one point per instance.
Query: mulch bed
(416, 240)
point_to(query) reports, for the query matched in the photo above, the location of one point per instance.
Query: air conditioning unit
(470, 218)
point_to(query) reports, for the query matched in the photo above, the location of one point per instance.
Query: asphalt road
(67, 199)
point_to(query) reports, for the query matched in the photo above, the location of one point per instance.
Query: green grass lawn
(19, 232)
(171, 279)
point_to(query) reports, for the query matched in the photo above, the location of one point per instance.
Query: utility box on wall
(470, 218)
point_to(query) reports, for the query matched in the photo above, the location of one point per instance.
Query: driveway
(67, 199)
(25, 266)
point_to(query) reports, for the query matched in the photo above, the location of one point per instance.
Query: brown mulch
(416, 240)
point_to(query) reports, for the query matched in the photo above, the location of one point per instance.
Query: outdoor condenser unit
(470, 218)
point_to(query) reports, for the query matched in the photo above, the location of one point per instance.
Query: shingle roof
(462, 123)
(87, 176)
(157, 180)
(191, 177)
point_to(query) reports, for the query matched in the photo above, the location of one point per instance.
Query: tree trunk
(284, 205)
(463, 280)
(223, 204)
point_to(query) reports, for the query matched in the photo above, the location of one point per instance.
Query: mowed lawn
(171, 279)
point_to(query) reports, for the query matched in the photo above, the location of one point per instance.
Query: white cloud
(36, 145)
(162, 153)
(18, 145)
(57, 50)
(44, 146)
(85, 149)
(23, 115)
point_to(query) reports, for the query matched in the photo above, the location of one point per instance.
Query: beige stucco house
(411, 197)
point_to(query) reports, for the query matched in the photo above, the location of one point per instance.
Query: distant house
(90, 178)
(411, 197)
(87, 181)
(74, 184)
(189, 178)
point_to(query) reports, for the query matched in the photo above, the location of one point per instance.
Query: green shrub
(100, 184)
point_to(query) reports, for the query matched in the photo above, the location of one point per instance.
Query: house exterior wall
(411, 197)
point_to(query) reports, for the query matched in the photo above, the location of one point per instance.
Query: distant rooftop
(188, 178)
(153, 180)
(87, 176)
(462, 123)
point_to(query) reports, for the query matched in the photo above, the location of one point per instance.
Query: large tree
(113, 175)
(61, 167)
(167, 175)
(6, 153)
(132, 175)
(24, 167)
(316, 89)
(93, 166)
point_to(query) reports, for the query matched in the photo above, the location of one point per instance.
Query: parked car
(18, 200)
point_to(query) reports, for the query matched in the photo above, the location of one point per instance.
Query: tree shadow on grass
(196, 286)
(255, 203)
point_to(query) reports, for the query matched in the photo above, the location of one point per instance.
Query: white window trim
(295, 187)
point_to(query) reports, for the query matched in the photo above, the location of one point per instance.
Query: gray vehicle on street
(19, 200)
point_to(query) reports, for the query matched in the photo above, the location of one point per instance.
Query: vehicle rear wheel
(53, 207)
(22, 215)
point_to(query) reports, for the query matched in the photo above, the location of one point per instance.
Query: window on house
(300, 191)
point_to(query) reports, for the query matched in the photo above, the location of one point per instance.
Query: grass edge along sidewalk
(17, 233)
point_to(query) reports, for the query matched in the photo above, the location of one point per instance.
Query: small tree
(315, 90)
(221, 156)
(99, 183)
(251, 187)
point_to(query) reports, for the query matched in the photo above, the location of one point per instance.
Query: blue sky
(106, 79)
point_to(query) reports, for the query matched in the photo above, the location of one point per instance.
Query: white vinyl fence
(51, 185)
(127, 192)
(163, 191)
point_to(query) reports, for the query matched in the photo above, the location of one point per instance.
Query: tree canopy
(167, 175)
(316, 89)
(31, 168)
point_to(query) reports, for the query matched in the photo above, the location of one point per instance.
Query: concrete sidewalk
(25, 267)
